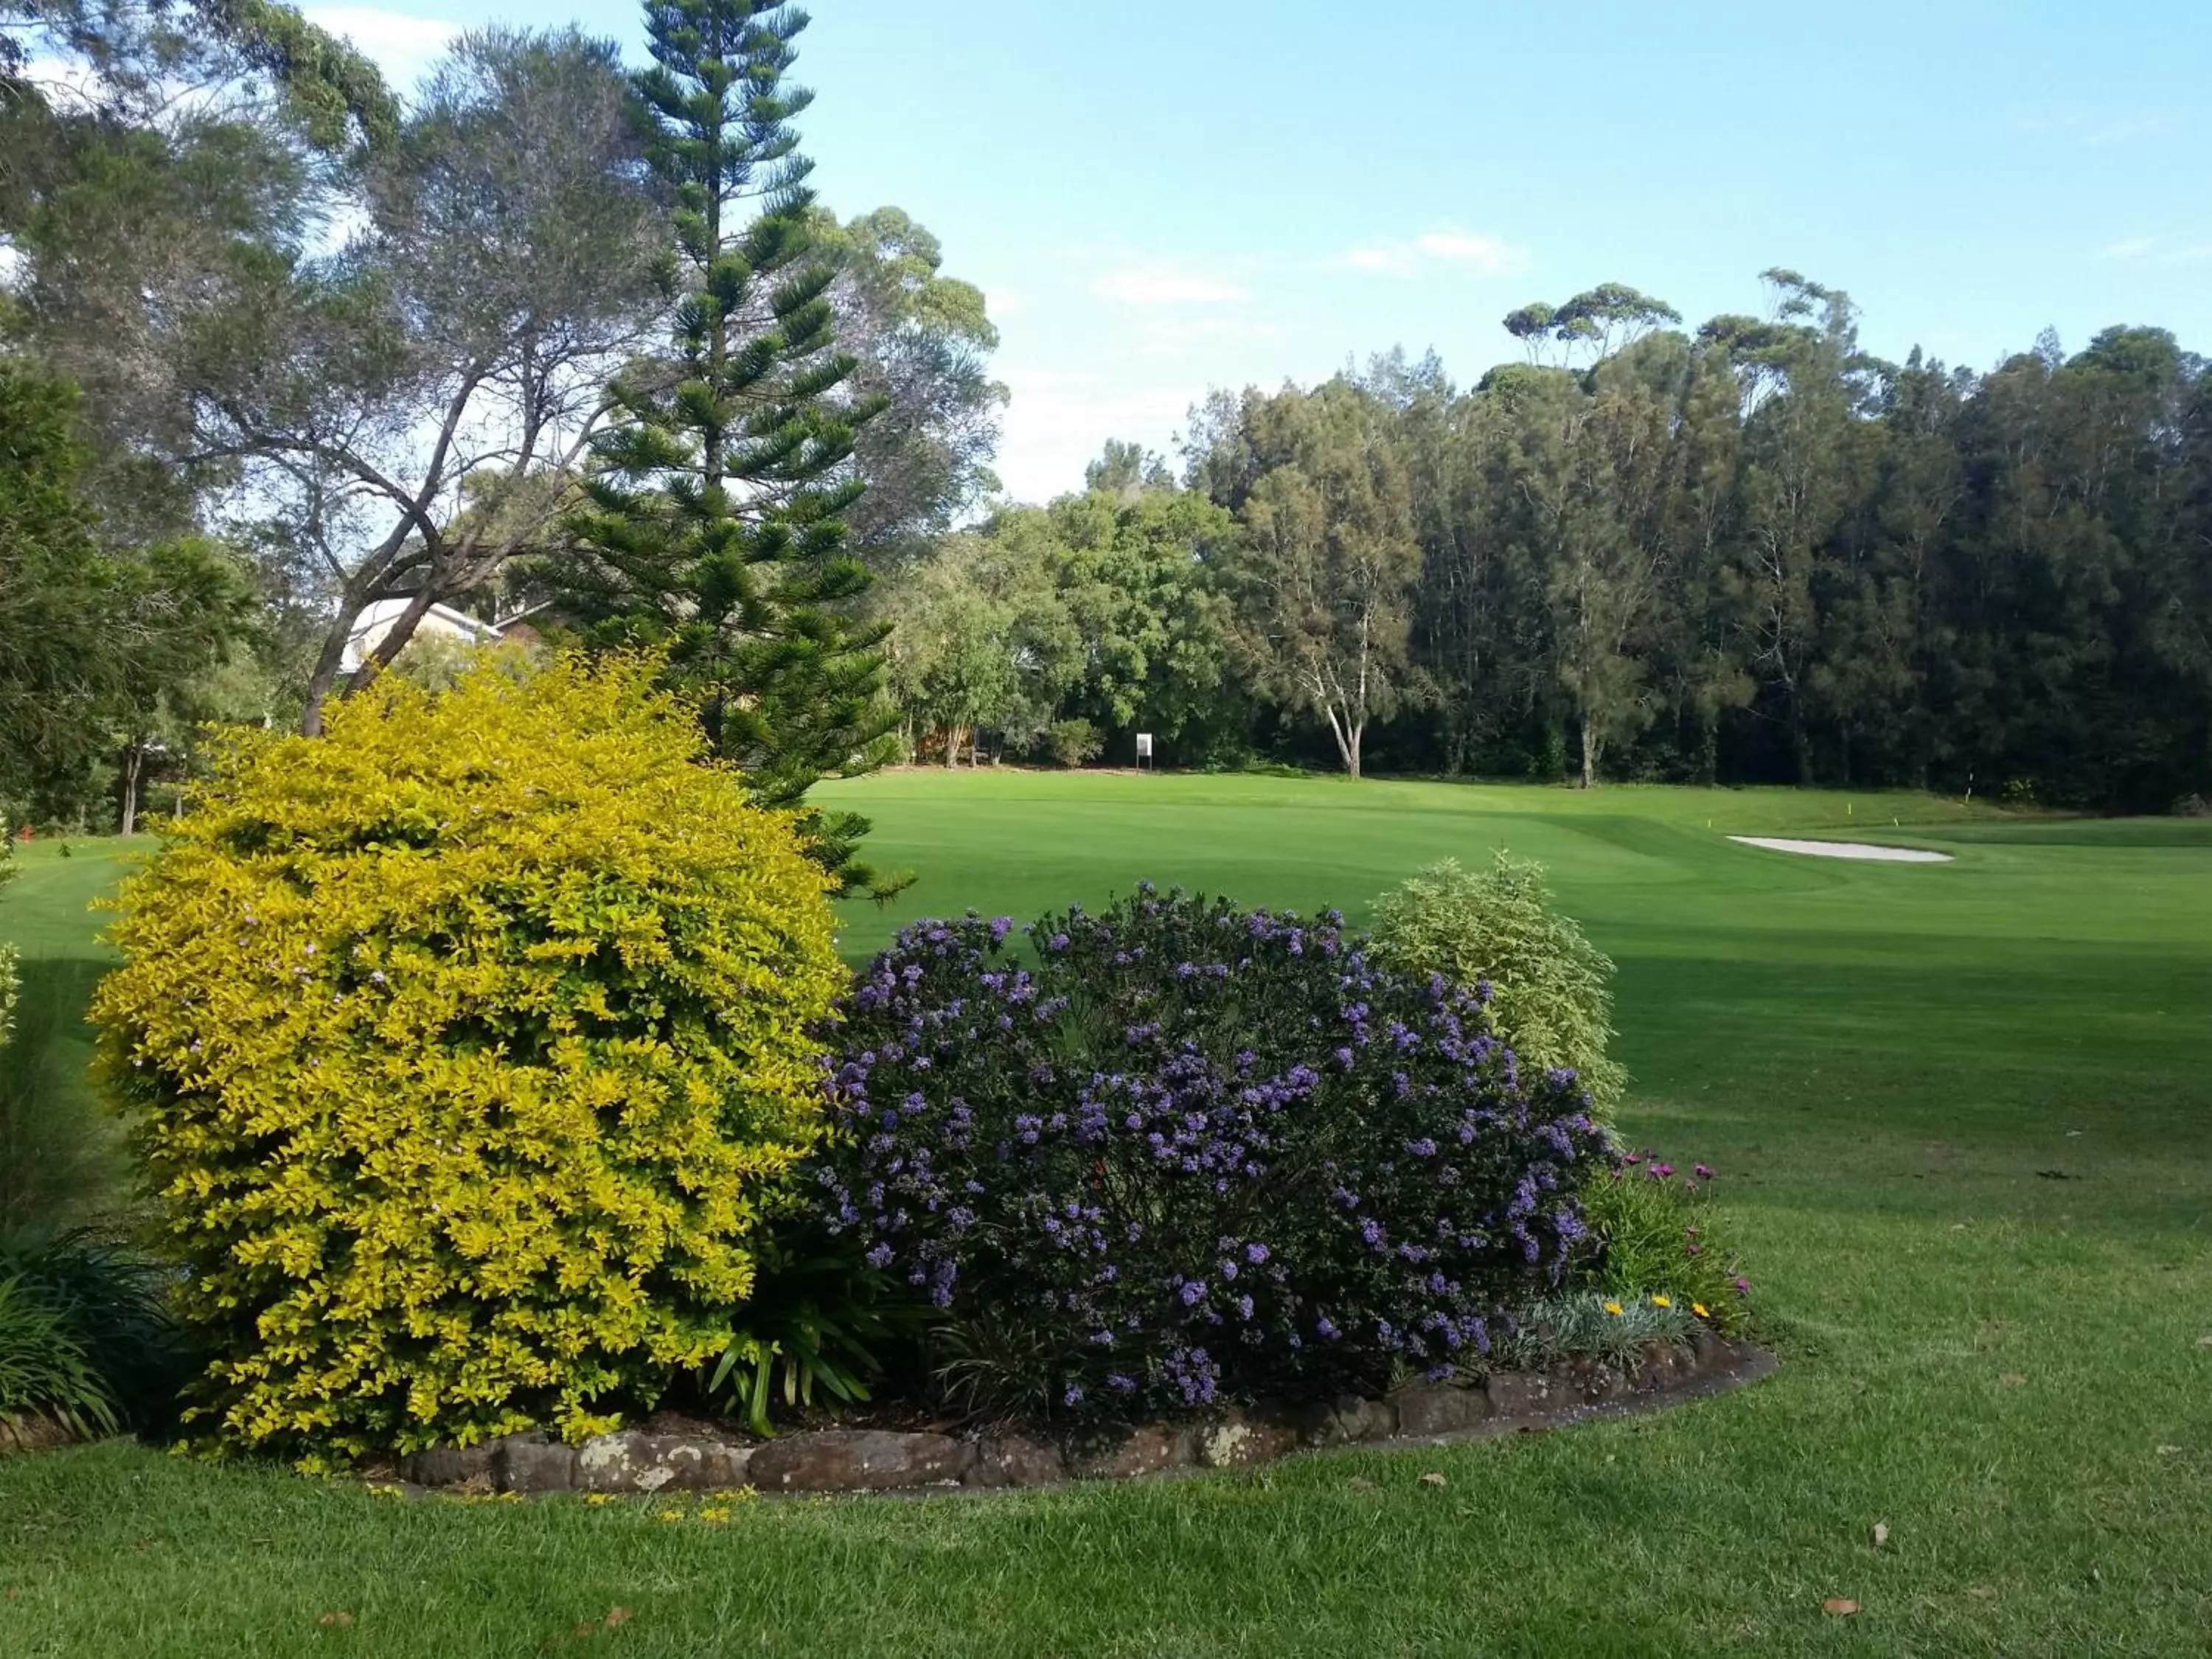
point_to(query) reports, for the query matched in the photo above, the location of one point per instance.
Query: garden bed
(680, 1457)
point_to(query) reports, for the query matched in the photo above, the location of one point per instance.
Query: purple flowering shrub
(1192, 1153)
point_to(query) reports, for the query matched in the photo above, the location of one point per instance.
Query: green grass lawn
(1964, 1116)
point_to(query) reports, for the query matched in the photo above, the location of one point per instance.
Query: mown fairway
(1964, 1114)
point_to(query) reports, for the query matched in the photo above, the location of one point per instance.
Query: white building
(440, 621)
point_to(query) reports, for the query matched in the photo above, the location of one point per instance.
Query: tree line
(282, 348)
(1748, 551)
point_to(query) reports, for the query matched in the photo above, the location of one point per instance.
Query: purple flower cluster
(1195, 1152)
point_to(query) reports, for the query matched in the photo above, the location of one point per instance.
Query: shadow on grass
(61, 1156)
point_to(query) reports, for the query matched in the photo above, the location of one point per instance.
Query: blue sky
(1158, 198)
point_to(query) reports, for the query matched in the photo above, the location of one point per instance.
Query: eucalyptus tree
(921, 342)
(158, 160)
(415, 406)
(1322, 591)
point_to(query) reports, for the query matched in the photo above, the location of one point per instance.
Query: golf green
(1963, 1117)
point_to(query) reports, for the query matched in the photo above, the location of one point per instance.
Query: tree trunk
(134, 763)
(325, 676)
(952, 746)
(1590, 754)
(1352, 747)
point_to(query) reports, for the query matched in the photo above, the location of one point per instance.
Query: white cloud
(2156, 251)
(1487, 254)
(404, 47)
(1165, 285)
(1397, 260)
(1480, 256)
(2099, 131)
(1177, 338)
(2130, 127)
(1058, 422)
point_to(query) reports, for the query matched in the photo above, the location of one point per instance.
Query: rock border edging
(828, 1461)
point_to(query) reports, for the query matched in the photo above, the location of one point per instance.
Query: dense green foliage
(1652, 1233)
(1099, 608)
(1551, 989)
(713, 521)
(44, 1371)
(462, 1047)
(91, 633)
(1870, 1054)
(112, 1304)
(814, 1325)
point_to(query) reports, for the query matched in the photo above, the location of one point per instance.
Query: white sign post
(1144, 749)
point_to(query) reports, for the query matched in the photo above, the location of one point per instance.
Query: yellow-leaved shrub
(462, 1047)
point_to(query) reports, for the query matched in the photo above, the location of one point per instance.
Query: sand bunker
(1845, 849)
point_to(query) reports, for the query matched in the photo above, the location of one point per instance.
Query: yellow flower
(598, 1498)
(670, 1514)
(716, 1515)
(1612, 1307)
(1661, 1302)
(1699, 1308)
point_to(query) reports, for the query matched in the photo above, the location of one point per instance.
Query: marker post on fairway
(1144, 752)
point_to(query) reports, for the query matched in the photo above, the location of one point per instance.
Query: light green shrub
(463, 1046)
(1074, 743)
(1550, 988)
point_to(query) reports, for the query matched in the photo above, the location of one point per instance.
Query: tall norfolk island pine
(713, 526)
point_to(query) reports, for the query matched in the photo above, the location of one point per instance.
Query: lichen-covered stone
(1244, 1438)
(533, 1462)
(1522, 1393)
(1348, 1420)
(31, 1432)
(1147, 1449)
(449, 1465)
(859, 1460)
(1664, 1363)
(1015, 1460)
(634, 1461)
(1428, 1408)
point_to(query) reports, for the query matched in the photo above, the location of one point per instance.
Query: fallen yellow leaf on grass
(1842, 1607)
(334, 1620)
(1432, 1478)
(2012, 1379)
